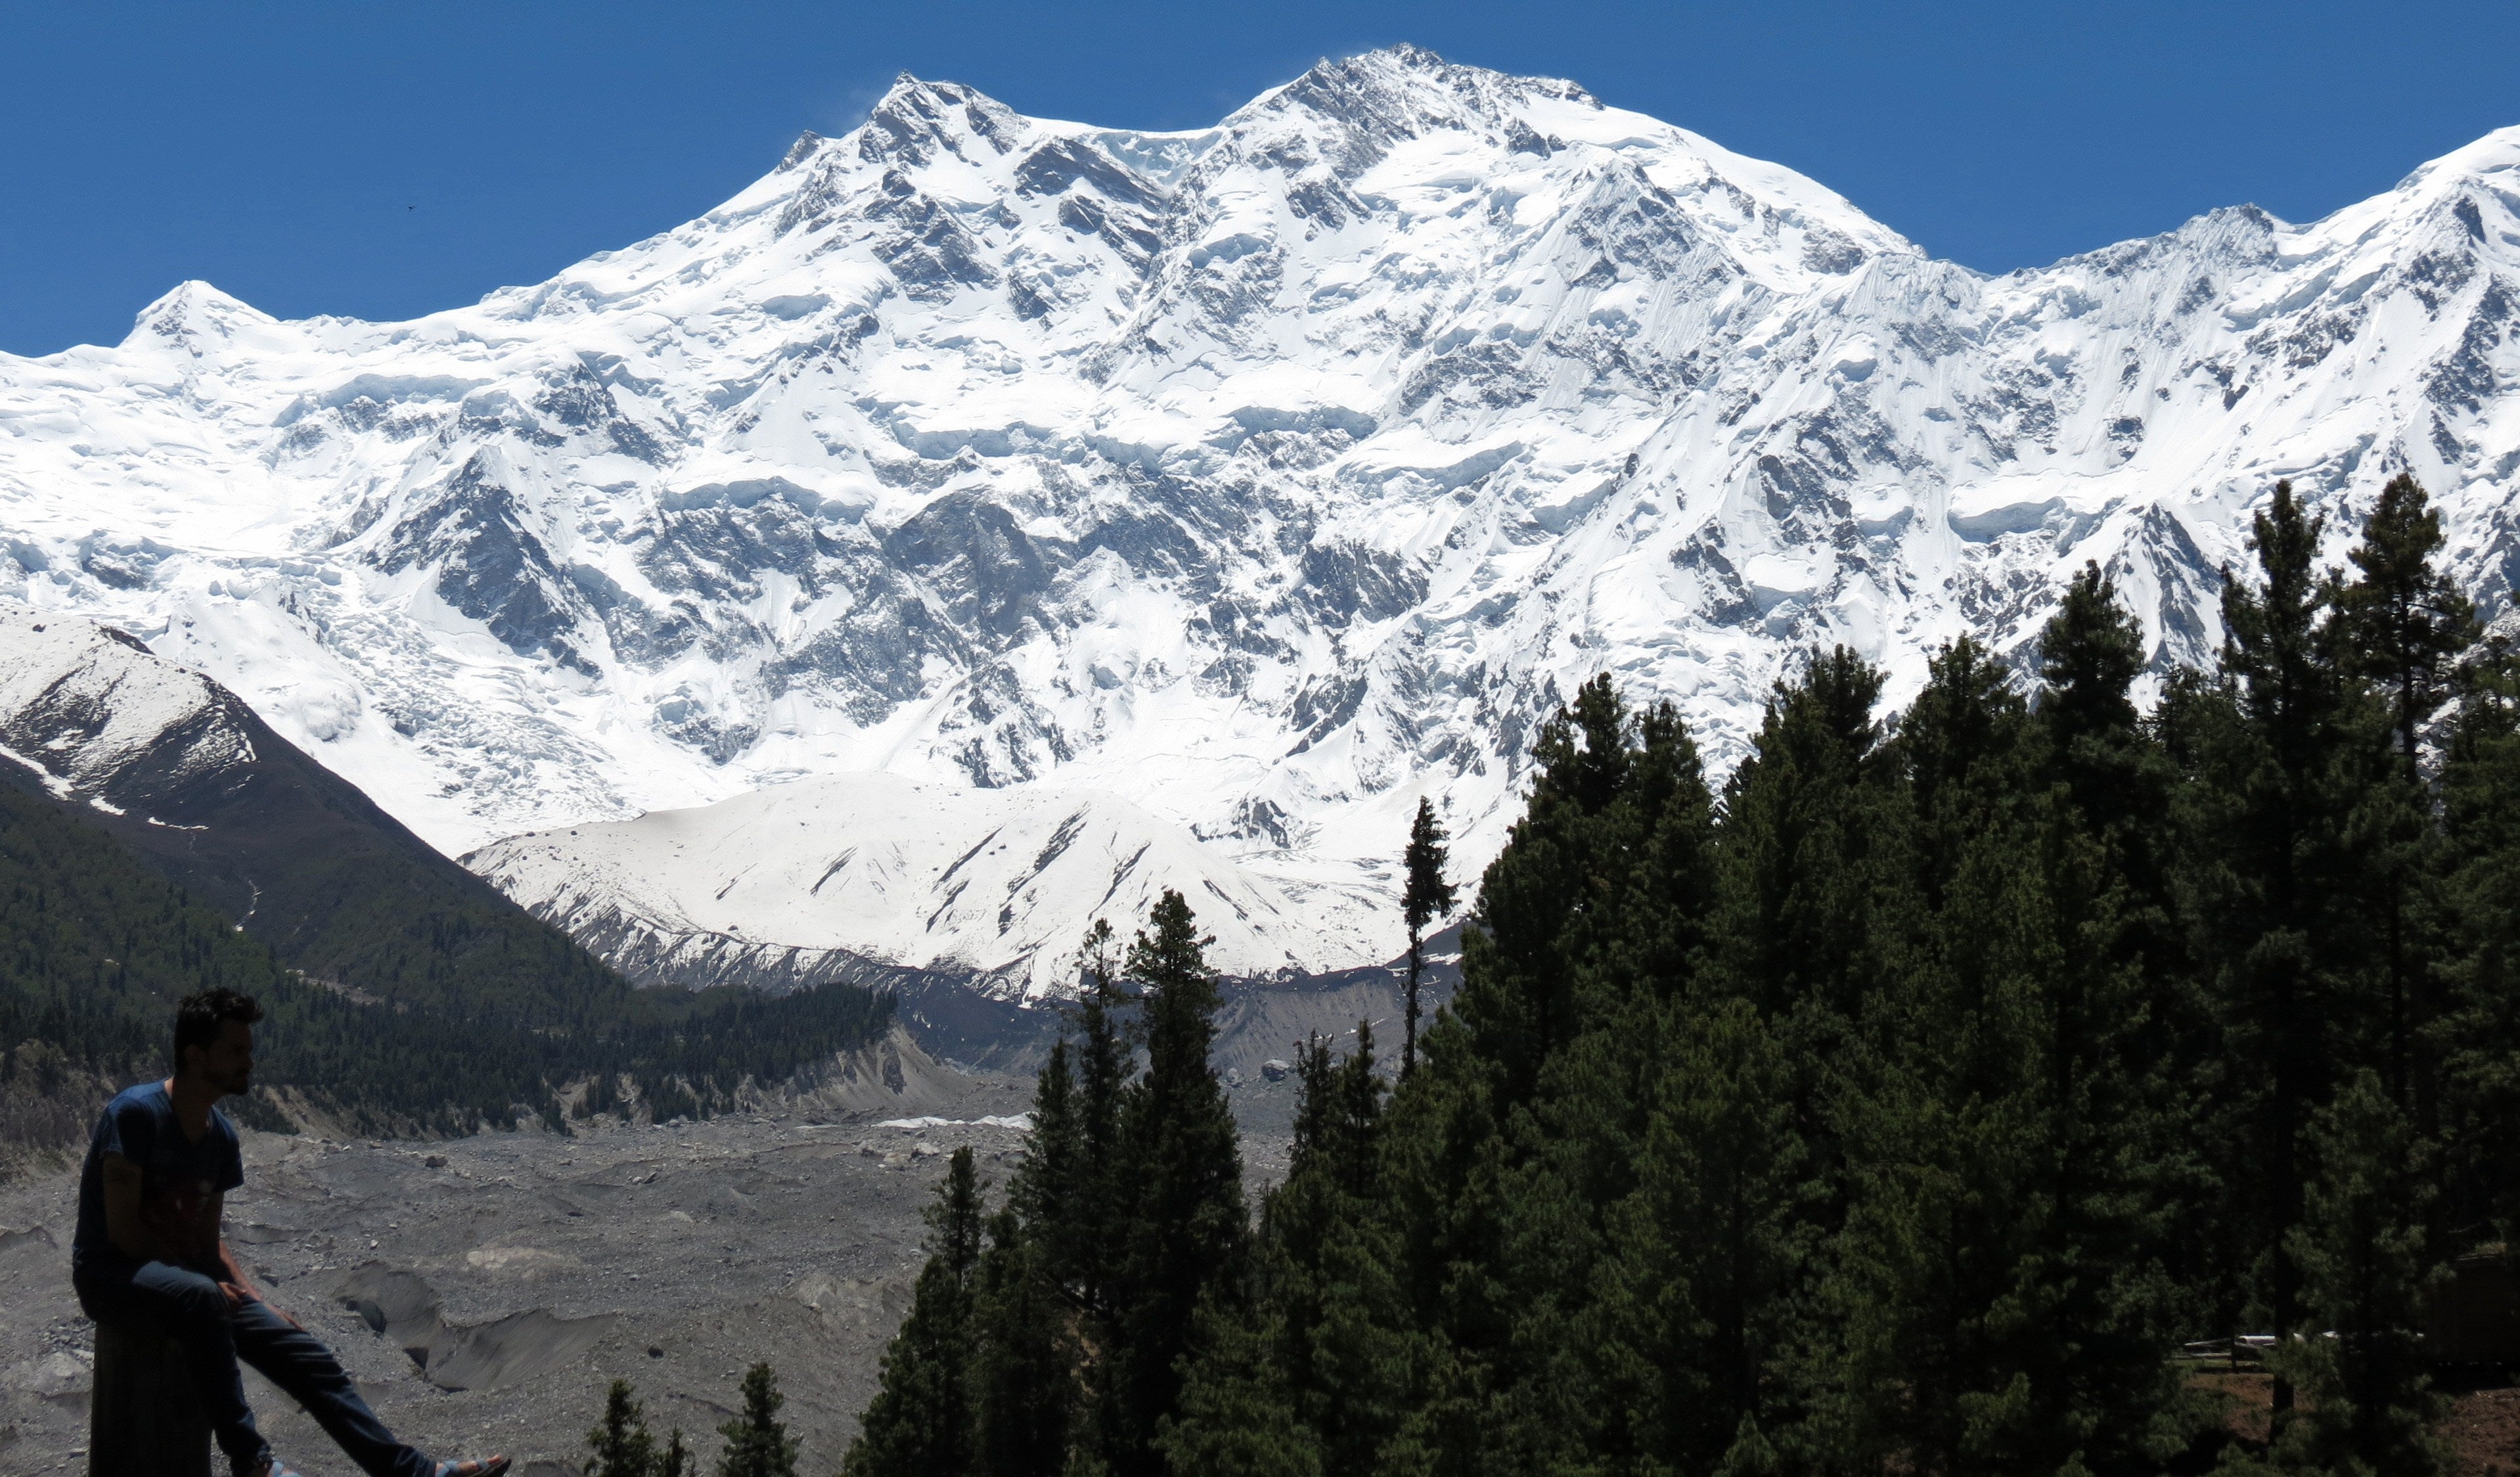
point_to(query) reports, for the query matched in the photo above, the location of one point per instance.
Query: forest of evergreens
(1902, 1107)
(95, 949)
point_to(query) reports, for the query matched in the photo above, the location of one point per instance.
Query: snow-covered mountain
(90, 715)
(992, 884)
(1267, 476)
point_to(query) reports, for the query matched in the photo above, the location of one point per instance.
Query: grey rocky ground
(671, 1256)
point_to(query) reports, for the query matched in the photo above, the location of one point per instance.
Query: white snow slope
(995, 884)
(1268, 475)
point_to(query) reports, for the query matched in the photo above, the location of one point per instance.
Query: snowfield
(997, 884)
(1222, 492)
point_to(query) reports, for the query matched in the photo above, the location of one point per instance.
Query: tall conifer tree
(1700, 1317)
(2407, 618)
(2361, 1247)
(2292, 942)
(1316, 1373)
(921, 1420)
(1423, 898)
(2404, 621)
(1025, 1354)
(1803, 818)
(1936, 1265)
(2091, 654)
(2478, 1033)
(621, 1447)
(1086, 1251)
(1184, 1171)
(1586, 925)
(757, 1443)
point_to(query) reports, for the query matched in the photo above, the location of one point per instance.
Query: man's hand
(241, 1292)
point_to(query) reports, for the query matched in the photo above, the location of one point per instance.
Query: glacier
(1231, 488)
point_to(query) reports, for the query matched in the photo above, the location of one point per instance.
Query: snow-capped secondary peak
(997, 884)
(1268, 475)
(83, 707)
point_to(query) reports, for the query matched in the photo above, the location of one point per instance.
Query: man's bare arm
(122, 1225)
(231, 1270)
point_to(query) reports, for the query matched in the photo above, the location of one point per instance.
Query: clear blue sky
(389, 159)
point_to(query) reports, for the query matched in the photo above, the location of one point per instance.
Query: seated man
(147, 1253)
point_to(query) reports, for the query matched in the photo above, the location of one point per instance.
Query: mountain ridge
(184, 778)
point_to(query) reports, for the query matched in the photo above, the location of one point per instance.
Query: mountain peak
(2496, 153)
(1400, 87)
(915, 120)
(190, 310)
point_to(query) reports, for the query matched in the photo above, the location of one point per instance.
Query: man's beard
(236, 1083)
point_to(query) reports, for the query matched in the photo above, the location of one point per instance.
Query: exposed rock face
(1266, 475)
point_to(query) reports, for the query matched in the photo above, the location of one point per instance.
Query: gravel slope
(671, 1256)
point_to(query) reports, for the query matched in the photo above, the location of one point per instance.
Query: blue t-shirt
(177, 1175)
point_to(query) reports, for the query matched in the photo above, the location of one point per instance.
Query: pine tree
(2362, 1248)
(1519, 955)
(1468, 1193)
(1966, 746)
(1813, 840)
(2091, 654)
(1803, 817)
(676, 1459)
(921, 1420)
(1024, 1382)
(1237, 1417)
(1424, 897)
(2292, 945)
(1662, 912)
(2405, 620)
(1313, 1374)
(1522, 1131)
(620, 1446)
(2477, 1035)
(1186, 1224)
(1045, 1293)
(1047, 1191)
(1086, 1241)
(2119, 783)
(1699, 1314)
(757, 1443)
(1936, 1278)
(2405, 617)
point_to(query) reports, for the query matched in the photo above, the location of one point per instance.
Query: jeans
(192, 1310)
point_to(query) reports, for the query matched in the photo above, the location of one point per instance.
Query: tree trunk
(143, 1417)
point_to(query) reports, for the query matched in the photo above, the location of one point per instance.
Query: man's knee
(263, 1335)
(191, 1296)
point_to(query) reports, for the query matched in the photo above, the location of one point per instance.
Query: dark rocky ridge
(249, 824)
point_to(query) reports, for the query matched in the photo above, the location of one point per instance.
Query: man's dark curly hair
(198, 1018)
